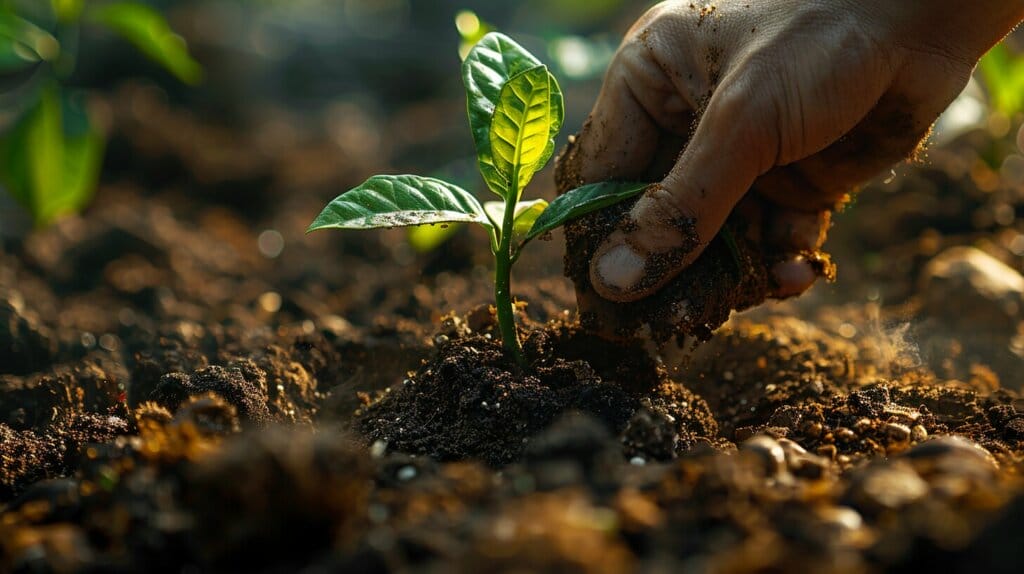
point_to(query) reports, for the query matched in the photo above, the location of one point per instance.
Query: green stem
(503, 278)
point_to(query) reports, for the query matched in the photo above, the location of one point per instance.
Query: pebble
(406, 473)
(801, 462)
(953, 465)
(844, 434)
(841, 519)
(950, 445)
(989, 294)
(886, 486)
(897, 432)
(378, 448)
(770, 451)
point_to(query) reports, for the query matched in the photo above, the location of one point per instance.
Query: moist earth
(176, 396)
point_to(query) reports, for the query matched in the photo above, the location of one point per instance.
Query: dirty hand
(785, 103)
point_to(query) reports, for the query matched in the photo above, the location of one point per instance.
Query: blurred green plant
(50, 155)
(1002, 71)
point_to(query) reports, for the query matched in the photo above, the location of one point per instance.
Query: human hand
(787, 103)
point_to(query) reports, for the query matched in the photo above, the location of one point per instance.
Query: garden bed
(189, 381)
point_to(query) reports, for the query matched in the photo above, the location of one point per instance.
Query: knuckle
(747, 120)
(670, 204)
(653, 14)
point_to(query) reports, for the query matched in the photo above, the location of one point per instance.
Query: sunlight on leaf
(400, 201)
(426, 238)
(149, 32)
(524, 124)
(491, 62)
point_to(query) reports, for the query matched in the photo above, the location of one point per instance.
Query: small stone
(845, 435)
(988, 293)
(452, 327)
(918, 433)
(885, 486)
(840, 519)
(813, 429)
(951, 445)
(802, 463)
(770, 452)
(827, 450)
(897, 432)
(406, 473)
(863, 425)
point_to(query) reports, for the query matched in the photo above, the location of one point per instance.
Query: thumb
(672, 223)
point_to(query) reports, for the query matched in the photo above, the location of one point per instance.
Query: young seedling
(515, 112)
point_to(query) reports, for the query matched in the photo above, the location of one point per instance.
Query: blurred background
(239, 119)
(379, 79)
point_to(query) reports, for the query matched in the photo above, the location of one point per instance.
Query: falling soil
(174, 396)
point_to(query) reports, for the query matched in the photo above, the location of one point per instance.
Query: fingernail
(619, 269)
(793, 277)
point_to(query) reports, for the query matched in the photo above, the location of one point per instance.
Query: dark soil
(471, 401)
(173, 398)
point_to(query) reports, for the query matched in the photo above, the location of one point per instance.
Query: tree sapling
(515, 111)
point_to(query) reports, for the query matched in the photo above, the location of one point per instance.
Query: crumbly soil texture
(189, 385)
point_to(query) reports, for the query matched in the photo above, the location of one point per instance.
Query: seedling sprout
(515, 112)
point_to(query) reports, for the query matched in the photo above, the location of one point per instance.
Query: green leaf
(426, 238)
(400, 201)
(14, 56)
(492, 62)
(526, 213)
(52, 157)
(149, 32)
(67, 10)
(581, 201)
(1003, 73)
(23, 44)
(524, 125)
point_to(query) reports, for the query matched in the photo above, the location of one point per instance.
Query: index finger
(618, 141)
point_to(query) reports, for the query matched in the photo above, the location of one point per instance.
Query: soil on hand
(733, 273)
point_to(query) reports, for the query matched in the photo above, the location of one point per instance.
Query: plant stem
(503, 278)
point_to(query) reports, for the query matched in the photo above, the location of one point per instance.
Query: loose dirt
(172, 398)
